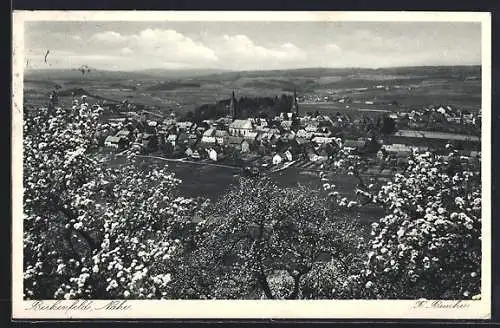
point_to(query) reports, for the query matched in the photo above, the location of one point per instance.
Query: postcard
(251, 165)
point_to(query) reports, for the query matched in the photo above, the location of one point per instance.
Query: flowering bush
(91, 230)
(429, 245)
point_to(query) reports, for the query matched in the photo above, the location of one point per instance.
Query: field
(371, 92)
(404, 88)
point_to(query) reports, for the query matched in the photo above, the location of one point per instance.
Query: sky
(249, 45)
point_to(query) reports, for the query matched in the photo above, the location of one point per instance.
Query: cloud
(108, 36)
(160, 46)
(239, 51)
(170, 44)
(332, 48)
(150, 46)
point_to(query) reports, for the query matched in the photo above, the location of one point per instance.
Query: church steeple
(295, 103)
(232, 107)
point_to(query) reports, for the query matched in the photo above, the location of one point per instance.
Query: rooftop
(241, 124)
(209, 133)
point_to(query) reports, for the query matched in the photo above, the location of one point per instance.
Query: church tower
(295, 108)
(232, 107)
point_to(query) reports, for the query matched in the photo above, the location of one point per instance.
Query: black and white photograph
(218, 158)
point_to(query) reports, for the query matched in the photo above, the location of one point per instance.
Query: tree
(349, 162)
(262, 241)
(92, 230)
(429, 245)
(388, 125)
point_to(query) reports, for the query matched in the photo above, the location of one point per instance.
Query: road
(202, 163)
(182, 160)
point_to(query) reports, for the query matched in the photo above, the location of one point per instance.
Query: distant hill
(228, 75)
(150, 74)
(317, 72)
(181, 73)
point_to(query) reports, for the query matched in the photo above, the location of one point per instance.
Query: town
(308, 141)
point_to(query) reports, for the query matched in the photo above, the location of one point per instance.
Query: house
(475, 153)
(353, 144)
(286, 125)
(277, 159)
(251, 136)
(172, 139)
(371, 171)
(288, 155)
(168, 122)
(212, 154)
(386, 173)
(240, 127)
(312, 126)
(261, 122)
(302, 141)
(209, 136)
(185, 125)
(451, 119)
(260, 128)
(123, 133)
(221, 137)
(274, 130)
(397, 148)
(188, 152)
(223, 121)
(322, 140)
(316, 158)
(303, 134)
(380, 155)
(115, 142)
(192, 135)
(245, 146)
(468, 117)
(441, 110)
(266, 136)
(196, 155)
(321, 133)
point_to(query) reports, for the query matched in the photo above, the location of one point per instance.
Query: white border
(265, 308)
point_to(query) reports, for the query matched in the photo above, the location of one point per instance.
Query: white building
(277, 159)
(240, 128)
(397, 148)
(323, 140)
(212, 154)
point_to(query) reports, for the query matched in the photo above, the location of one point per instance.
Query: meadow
(184, 91)
(390, 90)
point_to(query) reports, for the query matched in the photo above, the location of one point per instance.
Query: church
(239, 127)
